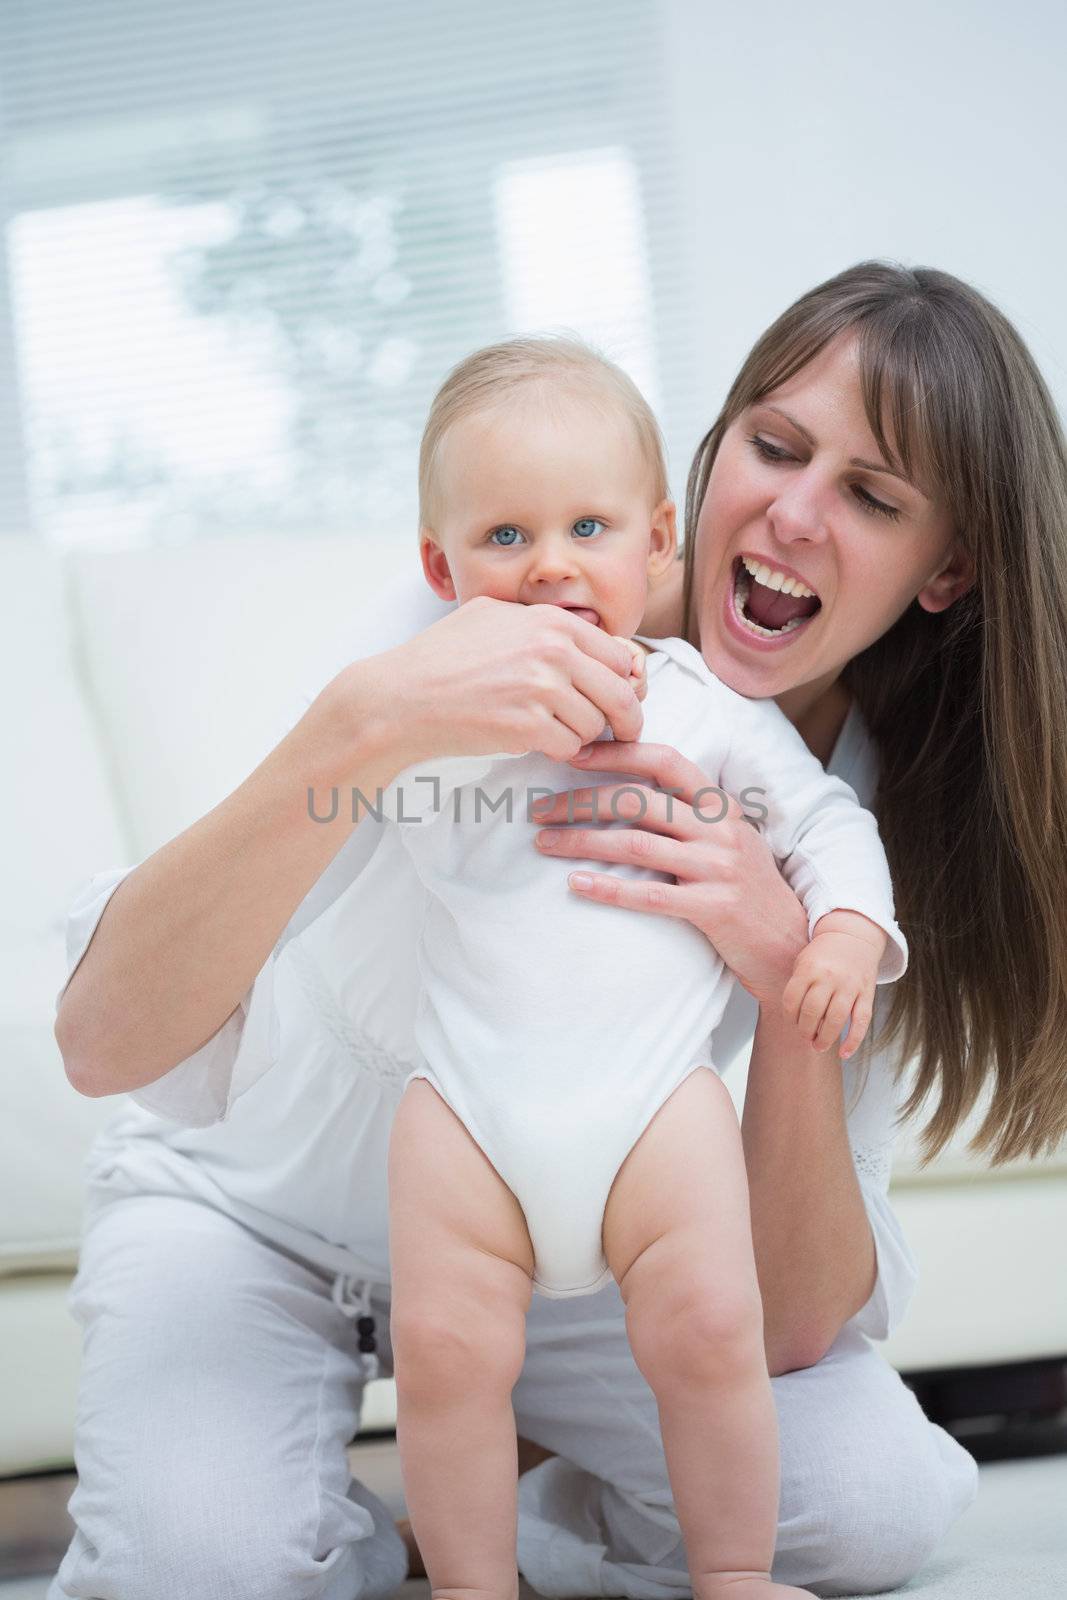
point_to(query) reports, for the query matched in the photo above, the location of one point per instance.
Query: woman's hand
(727, 883)
(495, 676)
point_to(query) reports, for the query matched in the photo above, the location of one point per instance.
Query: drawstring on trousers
(351, 1296)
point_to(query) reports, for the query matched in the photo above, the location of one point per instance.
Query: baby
(566, 1125)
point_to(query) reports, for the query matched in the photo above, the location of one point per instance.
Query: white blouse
(282, 1118)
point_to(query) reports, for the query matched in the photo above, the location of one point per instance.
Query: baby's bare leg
(462, 1265)
(678, 1239)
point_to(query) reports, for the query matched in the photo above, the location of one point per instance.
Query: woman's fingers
(629, 846)
(568, 718)
(634, 894)
(573, 712)
(598, 679)
(659, 764)
(665, 768)
(625, 802)
(576, 805)
(494, 676)
(612, 652)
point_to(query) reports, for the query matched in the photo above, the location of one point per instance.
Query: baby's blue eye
(505, 536)
(586, 527)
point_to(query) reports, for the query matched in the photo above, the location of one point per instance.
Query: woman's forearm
(814, 1248)
(184, 935)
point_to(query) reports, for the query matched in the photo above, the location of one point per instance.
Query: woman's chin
(754, 676)
(758, 685)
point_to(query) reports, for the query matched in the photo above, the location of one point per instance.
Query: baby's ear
(663, 538)
(435, 566)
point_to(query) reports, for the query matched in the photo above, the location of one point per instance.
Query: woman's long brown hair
(967, 708)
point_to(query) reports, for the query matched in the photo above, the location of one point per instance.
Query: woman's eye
(587, 527)
(768, 451)
(505, 536)
(775, 452)
(877, 508)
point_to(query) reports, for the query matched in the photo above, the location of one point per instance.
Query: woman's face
(800, 487)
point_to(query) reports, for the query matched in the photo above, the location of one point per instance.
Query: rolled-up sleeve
(201, 1089)
(897, 1272)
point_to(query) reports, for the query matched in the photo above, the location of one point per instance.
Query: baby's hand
(833, 981)
(637, 665)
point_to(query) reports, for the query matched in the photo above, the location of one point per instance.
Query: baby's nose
(552, 561)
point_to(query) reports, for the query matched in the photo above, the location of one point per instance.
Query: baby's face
(549, 505)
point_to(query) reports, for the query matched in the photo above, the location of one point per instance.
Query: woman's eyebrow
(854, 461)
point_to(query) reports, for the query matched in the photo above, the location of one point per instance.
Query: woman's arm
(184, 935)
(814, 1248)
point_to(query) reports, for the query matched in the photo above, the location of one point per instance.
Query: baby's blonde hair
(545, 364)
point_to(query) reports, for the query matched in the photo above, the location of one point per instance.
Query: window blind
(244, 242)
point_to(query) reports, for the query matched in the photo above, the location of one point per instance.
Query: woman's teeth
(742, 590)
(772, 579)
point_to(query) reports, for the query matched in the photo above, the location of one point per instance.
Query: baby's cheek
(494, 586)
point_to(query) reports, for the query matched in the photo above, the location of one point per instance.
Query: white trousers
(221, 1385)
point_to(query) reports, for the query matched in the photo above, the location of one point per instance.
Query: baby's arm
(832, 857)
(834, 979)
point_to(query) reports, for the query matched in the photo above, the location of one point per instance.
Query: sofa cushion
(990, 1284)
(195, 653)
(40, 1357)
(46, 1126)
(58, 820)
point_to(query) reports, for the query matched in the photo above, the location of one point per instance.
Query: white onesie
(555, 1027)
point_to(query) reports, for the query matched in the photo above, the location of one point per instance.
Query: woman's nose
(798, 511)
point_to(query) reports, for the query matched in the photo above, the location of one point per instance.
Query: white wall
(813, 136)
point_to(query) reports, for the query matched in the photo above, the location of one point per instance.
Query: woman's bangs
(902, 378)
(776, 363)
(903, 395)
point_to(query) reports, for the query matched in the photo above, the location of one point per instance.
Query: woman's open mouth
(768, 604)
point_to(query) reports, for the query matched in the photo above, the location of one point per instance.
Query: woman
(890, 443)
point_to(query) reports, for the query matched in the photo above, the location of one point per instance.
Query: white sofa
(139, 688)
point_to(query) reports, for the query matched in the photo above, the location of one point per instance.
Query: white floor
(1011, 1545)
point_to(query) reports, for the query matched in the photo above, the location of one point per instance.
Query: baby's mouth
(767, 610)
(585, 612)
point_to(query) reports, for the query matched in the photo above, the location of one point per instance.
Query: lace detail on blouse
(366, 1053)
(873, 1161)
